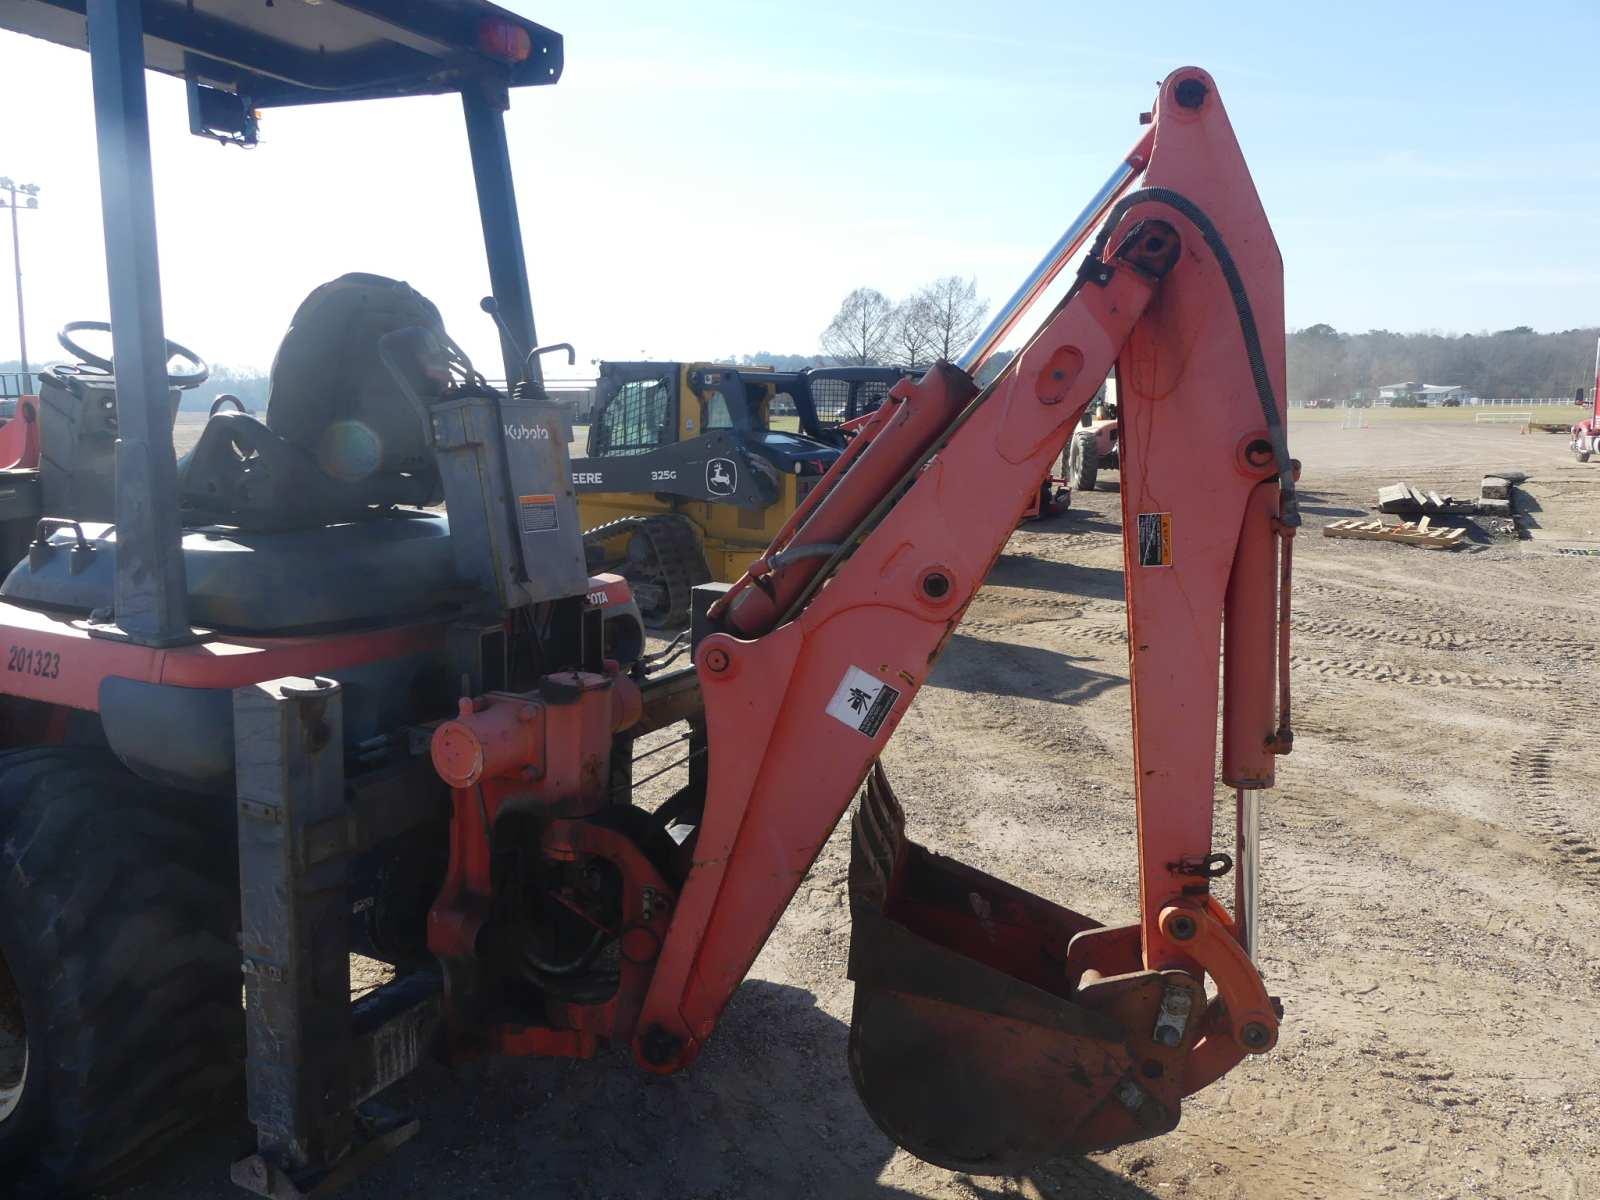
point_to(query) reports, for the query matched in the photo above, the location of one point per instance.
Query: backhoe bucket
(993, 1029)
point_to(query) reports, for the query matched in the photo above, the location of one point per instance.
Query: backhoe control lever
(492, 306)
(532, 385)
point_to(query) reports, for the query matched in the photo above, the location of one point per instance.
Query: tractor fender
(182, 737)
(173, 736)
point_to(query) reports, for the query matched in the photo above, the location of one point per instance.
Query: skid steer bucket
(981, 1038)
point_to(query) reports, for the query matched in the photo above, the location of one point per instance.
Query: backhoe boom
(824, 645)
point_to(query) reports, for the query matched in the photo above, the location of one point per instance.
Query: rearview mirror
(225, 116)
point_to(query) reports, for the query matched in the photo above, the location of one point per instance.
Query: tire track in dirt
(1054, 603)
(1061, 543)
(1073, 627)
(1381, 672)
(1533, 786)
(1433, 639)
(1431, 622)
(1290, 1176)
(1425, 1079)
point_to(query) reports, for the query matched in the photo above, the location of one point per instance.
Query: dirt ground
(1431, 895)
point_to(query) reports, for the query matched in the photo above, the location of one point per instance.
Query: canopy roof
(277, 52)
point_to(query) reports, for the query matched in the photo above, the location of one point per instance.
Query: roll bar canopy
(303, 53)
(237, 56)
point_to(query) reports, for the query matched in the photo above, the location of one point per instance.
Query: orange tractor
(277, 708)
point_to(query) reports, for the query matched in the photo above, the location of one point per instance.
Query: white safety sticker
(536, 514)
(862, 701)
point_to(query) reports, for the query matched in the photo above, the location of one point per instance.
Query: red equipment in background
(1586, 433)
(19, 437)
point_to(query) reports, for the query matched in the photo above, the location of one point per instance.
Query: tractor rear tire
(118, 913)
(1083, 462)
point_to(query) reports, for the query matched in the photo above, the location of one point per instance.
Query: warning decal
(1155, 539)
(862, 701)
(536, 514)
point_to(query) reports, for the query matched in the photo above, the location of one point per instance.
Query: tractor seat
(243, 474)
(339, 439)
(306, 521)
(380, 570)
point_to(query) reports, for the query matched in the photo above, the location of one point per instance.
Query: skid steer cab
(691, 469)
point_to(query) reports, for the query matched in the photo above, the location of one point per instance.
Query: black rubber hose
(1197, 217)
(1290, 508)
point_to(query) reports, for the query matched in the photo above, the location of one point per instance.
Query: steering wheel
(192, 379)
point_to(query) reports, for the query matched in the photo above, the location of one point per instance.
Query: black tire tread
(124, 898)
(1084, 467)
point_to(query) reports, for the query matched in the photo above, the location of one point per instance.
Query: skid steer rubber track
(663, 564)
(118, 913)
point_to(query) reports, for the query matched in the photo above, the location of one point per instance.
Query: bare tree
(955, 314)
(913, 331)
(861, 331)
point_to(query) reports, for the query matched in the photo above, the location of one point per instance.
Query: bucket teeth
(879, 832)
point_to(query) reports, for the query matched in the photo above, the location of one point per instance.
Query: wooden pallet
(1411, 533)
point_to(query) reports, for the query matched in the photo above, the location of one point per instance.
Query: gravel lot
(1431, 900)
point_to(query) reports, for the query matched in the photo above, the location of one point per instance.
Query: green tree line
(1323, 362)
(1513, 363)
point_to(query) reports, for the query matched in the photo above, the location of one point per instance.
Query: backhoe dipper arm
(824, 647)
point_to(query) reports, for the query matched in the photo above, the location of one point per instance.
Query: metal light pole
(30, 193)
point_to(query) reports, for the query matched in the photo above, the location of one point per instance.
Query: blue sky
(712, 178)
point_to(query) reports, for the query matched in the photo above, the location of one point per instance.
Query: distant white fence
(1524, 402)
(1523, 418)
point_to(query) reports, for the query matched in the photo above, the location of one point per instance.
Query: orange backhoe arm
(825, 644)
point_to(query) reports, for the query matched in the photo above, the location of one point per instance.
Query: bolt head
(659, 1046)
(1256, 1035)
(1181, 928)
(716, 660)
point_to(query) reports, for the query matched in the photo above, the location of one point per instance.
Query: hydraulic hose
(1245, 314)
(1197, 217)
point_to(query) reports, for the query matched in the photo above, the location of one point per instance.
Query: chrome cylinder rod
(1246, 867)
(1057, 257)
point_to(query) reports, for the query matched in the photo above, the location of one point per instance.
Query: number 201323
(27, 661)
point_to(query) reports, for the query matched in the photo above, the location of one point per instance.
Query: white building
(1420, 393)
